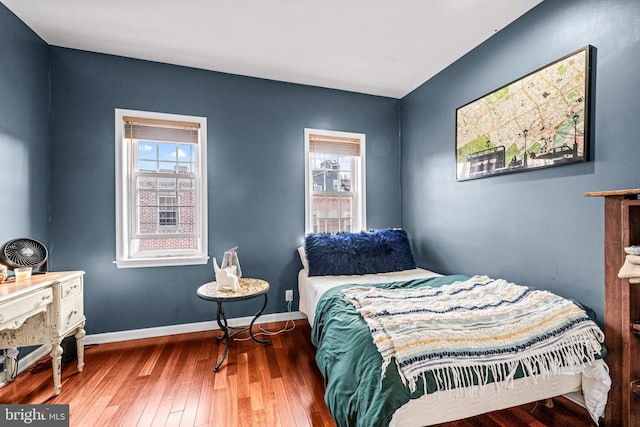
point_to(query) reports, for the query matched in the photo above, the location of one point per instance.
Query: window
(168, 212)
(334, 181)
(161, 196)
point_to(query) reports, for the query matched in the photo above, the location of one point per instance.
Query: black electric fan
(24, 253)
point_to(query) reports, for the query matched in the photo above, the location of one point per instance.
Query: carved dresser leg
(56, 357)
(80, 333)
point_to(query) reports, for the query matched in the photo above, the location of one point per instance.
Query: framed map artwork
(538, 121)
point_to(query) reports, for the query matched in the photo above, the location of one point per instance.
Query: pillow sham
(366, 252)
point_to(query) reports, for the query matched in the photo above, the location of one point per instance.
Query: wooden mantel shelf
(632, 192)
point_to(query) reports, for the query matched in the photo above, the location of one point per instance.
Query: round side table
(249, 288)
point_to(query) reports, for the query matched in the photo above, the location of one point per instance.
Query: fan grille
(25, 252)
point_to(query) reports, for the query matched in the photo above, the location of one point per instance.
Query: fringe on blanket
(474, 379)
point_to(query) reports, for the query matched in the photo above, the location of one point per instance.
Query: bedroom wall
(24, 140)
(255, 168)
(535, 228)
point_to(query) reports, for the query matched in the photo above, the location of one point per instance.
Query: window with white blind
(161, 194)
(334, 181)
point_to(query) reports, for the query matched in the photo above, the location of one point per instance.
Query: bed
(366, 383)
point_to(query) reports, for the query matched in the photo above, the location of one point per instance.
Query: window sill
(160, 262)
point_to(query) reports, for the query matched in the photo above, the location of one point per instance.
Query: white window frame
(359, 219)
(125, 202)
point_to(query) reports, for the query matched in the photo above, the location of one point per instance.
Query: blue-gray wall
(256, 178)
(535, 228)
(24, 133)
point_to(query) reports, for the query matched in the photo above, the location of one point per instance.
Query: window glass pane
(165, 184)
(147, 166)
(147, 219)
(186, 228)
(146, 198)
(186, 153)
(332, 214)
(167, 151)
(146, 183)
(166, 167)
(345, 181)
(187, 210)
(316, 160)
(345, 163)
(163, 243)
(186, 184)
(147, 150)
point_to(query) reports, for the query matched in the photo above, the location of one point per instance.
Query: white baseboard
(27, 361)
(135, 334)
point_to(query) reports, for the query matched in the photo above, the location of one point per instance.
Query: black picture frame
(538, 121)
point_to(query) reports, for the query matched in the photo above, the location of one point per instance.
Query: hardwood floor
(169, 381)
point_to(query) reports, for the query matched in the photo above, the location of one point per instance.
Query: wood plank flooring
(169, 381)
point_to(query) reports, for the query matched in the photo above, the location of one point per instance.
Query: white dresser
(44, 310)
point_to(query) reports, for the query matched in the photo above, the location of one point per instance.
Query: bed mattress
(312, 288)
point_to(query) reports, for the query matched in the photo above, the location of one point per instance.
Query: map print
(537, 121)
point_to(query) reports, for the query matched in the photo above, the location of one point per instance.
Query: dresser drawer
(71, 304)
(71, 312)
(13, 313)
(72, 287)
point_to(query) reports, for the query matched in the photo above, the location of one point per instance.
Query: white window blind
(161, 130)
(334, 145)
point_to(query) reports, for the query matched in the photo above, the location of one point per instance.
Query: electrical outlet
(288, 295)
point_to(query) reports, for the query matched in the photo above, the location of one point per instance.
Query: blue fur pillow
(366, 252)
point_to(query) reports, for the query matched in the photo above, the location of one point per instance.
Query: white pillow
(303, 257)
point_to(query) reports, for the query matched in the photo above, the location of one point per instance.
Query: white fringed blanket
(476, 331)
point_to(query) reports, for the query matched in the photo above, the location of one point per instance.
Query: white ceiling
(378, 47)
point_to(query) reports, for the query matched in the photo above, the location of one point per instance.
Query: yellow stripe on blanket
(524, 331)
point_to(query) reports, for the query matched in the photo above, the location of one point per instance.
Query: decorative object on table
(226, 275)
(230, 259)
(3, 273)
(538, 121)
